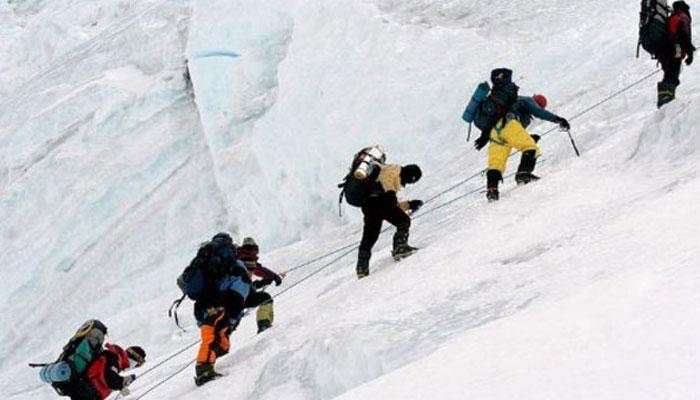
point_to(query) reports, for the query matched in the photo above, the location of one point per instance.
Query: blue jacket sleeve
(538, 112)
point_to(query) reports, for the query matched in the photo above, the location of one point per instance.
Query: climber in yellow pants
(511, 133)
(504, 139)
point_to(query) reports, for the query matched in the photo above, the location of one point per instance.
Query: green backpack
(84, 346)
(67, 372)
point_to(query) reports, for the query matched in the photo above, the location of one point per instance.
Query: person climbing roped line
(88, 368)
(666, 34)
(219, 284)
(373, 185)
(679, 47)
(248, 253)
(503, 117)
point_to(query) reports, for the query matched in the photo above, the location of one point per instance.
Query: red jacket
(679, 29)
(103, 373)
(249, 256)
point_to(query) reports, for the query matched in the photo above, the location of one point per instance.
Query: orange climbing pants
(215, 333)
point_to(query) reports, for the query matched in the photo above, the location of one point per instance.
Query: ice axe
(573, 143)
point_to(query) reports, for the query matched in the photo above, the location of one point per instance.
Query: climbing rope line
(169, 358)
(319, 258)
(348, 249)
(167, 378)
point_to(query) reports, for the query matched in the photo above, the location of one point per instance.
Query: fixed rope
(348, 249)
(166, 379)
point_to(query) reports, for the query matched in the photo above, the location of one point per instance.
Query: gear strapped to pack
(66, 374)
(360, 181)
(653, 27)
(490, 104)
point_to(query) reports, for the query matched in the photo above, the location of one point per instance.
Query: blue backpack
(480, 94)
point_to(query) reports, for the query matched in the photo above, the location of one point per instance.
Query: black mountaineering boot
(523, 178)
(403, 252)
(666, 93)
(492, 194)
(205, 373)
(363, 257)
(493, 177)
(401, 248)
(527, 165)
(263, 325)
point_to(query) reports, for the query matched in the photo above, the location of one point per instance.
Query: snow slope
(583, 285)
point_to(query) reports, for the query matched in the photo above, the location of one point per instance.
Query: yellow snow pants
(504, 139)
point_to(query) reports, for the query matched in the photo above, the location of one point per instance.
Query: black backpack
(199, 278)
(504, 93)
(193, 280)
(357, 191)
(653, 26)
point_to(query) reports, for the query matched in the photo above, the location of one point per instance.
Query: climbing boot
(523, 178)
(205, 373)
(263, 325)
(493, 178)
(403, 251)
(666, 93)
(492, 194)
(527, 165)
(363, 263)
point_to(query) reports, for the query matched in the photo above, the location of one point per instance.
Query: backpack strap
(172, 312)
(340, 202)
(342, 192)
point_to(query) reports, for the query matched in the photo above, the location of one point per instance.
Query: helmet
(540, 100)
(410, 173)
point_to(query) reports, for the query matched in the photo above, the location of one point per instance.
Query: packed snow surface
(113, 168)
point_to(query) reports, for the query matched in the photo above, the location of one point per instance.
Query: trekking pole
(37, 365)
(568, 132)
(469, 133)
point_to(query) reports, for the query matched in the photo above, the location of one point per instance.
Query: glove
(563, 124)
(480, 142)
(277, 279)
(689, 59)
(262, 283)
(128, 380)
(415, 205)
